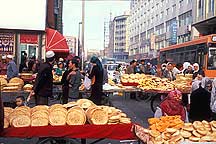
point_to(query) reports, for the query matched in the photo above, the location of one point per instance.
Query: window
(174, 8)
(211, 6)
(162, 15)
(167, 11)
(212, 58)
(201, 8)
(185, 19)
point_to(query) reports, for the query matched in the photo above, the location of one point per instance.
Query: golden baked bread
(57, 118)
(21, 121)
(6, 123)
(97, 115)
(185, 134)
(194, 139)
(76, 116)
(154, 133)
(17, 80)
(39, 121)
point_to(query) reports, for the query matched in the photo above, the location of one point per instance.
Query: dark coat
(200, 105)
(1, 115)
(44, 81)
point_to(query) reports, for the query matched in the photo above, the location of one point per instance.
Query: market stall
(81, 119)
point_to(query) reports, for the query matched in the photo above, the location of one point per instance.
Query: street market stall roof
(55, 41)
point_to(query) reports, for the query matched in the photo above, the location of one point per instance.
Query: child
(20, 101)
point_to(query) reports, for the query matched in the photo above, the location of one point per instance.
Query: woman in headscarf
(96, 75)
(197, 71)
(172, 105)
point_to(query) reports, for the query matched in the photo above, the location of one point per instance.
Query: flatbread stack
(76, 116)
(40, 115)
(169, 129)
(28, 87)
(57, 115)
(25, 75)
(3, 83)
(115, 115)
(97, 116)
(85, 103)
(20, 117)
(17, 80)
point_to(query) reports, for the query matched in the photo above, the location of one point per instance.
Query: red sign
(28, 38)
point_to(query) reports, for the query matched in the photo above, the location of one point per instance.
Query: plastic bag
(87, 83)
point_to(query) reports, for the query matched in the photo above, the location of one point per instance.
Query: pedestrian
(44, 81)
(177, 69)
(12, 70)
(149, 69)
(96, 75)
(213, 99)
(200, 103)
(131, 68)
(188, 70)
(168, 73)
(197, 71)
(74, 79)
(23, 64)
(3, 65)
(142, 66)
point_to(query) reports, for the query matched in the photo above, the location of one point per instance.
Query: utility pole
(83, 29)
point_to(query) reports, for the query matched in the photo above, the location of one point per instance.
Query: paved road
(138, 111)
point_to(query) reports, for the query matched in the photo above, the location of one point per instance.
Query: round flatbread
(39, 121)
(76, 117)
(21, 121)
(57, 118)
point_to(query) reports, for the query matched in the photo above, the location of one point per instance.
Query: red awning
(55, 41)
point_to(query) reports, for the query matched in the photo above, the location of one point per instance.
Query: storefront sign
(28, 39)
(160, 37)
(152, 39)
(173, 31)
(7, 43)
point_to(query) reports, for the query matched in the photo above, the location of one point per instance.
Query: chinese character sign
(6, 43)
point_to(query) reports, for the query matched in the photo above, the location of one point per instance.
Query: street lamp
(78, 41)
(83, 26)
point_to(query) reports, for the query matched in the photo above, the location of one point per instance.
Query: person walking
(3, 65)
(12, 70)
(74, 79)
(96, 75)
(44, 81)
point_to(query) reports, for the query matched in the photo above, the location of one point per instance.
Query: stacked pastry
(170, 129)
(15, 84)
(73, 113)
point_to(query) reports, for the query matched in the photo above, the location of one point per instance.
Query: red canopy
(55, 41)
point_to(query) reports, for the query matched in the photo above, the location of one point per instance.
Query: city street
(138, 111)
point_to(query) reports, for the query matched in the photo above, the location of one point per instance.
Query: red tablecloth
(115, 131)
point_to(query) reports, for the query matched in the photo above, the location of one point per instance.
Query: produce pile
(81, 112)
(171, 129)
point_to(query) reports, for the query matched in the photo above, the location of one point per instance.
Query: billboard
(23, 14)
(7, 43)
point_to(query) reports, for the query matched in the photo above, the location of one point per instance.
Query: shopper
(44, 81)
(142, 66)
(131, 68)
(188, 70)
(149, 69)
(197, 70)
(12, 70)
(177, 69)
(74, 79)
(3, 65)
(59, 71)
(168, 73)
(23, 65)
(96, 75)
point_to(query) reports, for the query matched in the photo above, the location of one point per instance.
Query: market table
(114, 131)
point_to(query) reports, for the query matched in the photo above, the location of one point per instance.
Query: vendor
(12, 70)
(3, 65)
(44, 81)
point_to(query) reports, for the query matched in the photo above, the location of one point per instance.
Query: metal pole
(78, 41)
(83, 26)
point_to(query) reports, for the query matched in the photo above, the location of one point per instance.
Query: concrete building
(121, 44)
(204, 17)
(71, 41)
(58, 11)
(155, 24)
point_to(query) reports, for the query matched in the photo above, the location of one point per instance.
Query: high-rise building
(158, 24)
(204, 17)
(58, 10)
(120, 37)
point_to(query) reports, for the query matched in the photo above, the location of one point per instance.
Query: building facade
(120, 37)
(58, 11)
(71, 41)
(204, 17)
(157, 24)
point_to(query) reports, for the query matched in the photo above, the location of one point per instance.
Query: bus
(201, 51)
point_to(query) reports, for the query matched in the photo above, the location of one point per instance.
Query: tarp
(55, 41)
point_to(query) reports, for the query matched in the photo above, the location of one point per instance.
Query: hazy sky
(96, 13)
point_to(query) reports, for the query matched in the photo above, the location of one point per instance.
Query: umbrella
(55, 41)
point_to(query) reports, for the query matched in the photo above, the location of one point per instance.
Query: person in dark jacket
(44, 81)
(200, 105)
(1, 115)
(96, 75)
(74, 79)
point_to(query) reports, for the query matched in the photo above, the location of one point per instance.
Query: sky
(96, 12)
